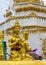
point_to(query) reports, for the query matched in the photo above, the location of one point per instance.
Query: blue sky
(44, 1)
(3, 6)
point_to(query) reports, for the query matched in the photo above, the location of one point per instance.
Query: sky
(4, 6)
(44, 1)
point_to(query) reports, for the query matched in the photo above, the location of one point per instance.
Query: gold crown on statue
(17, 23)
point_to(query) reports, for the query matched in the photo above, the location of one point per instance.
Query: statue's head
(16, 27)
(25, 33)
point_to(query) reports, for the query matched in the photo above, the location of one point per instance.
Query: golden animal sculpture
(18, 44)
(1, 50)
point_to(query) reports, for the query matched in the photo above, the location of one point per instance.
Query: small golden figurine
(1, 50)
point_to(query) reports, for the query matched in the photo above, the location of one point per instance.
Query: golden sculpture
(1, 50)
(44, 47)
(26, 46)
(13, 40)
(25, 37)
(19, 46)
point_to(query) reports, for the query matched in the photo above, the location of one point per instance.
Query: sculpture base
(23, 62)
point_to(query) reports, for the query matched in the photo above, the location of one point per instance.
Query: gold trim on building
(34, 8)
(32, 29)
(28, 1)
(8, 14)
(32, 15)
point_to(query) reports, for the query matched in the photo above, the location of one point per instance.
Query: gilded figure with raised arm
(19, 46)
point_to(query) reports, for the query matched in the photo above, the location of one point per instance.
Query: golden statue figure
(26, 47)
(1, 50)
(19, 46)
(44, 47)
(14, 40)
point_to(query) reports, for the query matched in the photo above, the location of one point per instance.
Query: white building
(32, 15)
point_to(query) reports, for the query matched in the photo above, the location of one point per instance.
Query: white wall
(24, 22)
(34, 42)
